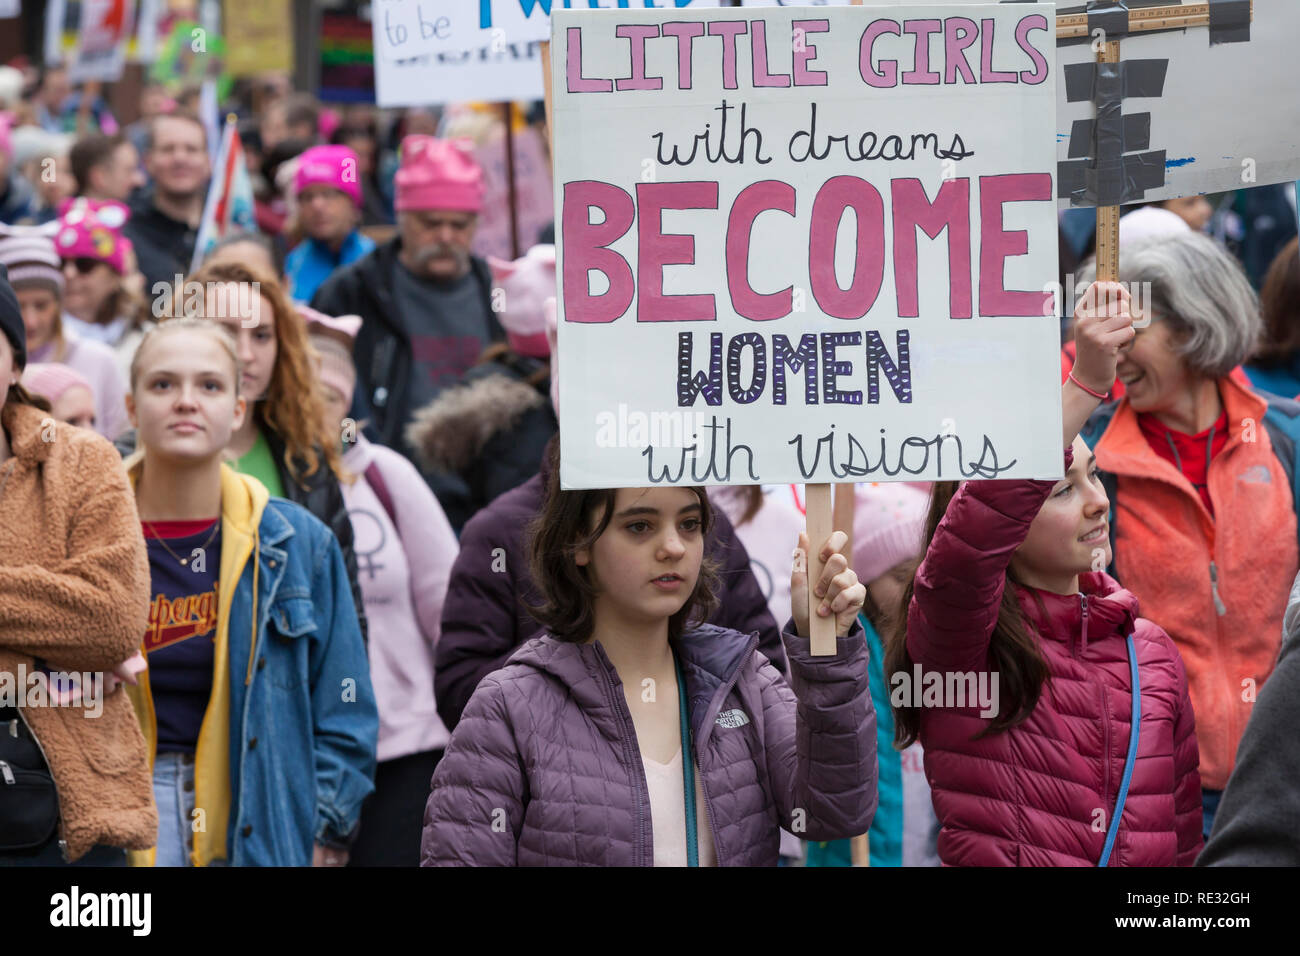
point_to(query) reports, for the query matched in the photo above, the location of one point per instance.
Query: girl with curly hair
(282, 442)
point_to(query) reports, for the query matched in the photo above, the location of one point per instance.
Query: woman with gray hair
(1200, 471)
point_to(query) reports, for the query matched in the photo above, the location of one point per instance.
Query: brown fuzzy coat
(74, 591)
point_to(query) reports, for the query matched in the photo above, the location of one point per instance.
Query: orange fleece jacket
(74, 591)
(1165, 544)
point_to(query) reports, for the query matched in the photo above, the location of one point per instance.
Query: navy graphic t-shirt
(182, 631)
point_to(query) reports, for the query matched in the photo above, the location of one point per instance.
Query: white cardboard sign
(451, 51)
(784, 256)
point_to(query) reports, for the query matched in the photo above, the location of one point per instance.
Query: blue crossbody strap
(1135, 733)
(688, 769)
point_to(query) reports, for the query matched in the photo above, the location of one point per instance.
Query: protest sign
(747, 295)
(449, 51)
(104, 28)
(259, 36)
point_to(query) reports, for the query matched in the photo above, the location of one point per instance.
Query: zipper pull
(7, 773)
(1219, 606)
(1083, 600)
(13, 727)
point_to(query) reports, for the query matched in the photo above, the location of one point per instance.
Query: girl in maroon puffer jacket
(1013, 667)
(594, 742)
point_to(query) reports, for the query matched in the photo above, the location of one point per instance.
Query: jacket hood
(1112, 611)
(451, 432)
(711, 657)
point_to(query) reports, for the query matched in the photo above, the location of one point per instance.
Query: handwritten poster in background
(103, 30)
(534, 207)
(798, 251)
(259, 36)
(451, 51)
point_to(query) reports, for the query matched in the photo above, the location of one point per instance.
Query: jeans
(173, 791)
(1209, 807)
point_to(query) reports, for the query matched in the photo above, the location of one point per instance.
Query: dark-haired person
(629, 735)
(1031, 773)
(74, 597)
(1275, 367)
(1200, 471)
(106, 167)
(165, 219)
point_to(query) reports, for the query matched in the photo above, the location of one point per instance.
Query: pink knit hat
(92, 229)
(52, 380)
(888, 527)
(333, 166)
(438, 174)
(333, 336)
(6, 139)
(525, 285)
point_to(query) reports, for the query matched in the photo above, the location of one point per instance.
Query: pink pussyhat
(91, 229)
(438, 174)
(335, 370)
(333, 166)
(525, 285)
(888, 526)
(52, 380)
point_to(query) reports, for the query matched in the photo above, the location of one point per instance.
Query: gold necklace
(216, 525)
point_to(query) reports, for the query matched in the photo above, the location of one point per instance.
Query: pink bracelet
(1100, 395)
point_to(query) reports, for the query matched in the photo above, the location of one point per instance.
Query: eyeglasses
(83, 264)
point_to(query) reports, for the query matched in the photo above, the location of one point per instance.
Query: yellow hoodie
(243, 499)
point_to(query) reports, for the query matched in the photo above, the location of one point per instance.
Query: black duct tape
(1136, 133)
(1229, 21)
(1113, 183)
(1106, 82)
(1109, 16)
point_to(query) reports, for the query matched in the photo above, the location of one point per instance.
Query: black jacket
(163, 245)
(383, 349)
(491, 430)
(320, 494)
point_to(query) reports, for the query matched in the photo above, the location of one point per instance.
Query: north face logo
(1258, 475)
(731, 719)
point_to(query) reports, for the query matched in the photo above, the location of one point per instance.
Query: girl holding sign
(1071, 767)
(627, 735)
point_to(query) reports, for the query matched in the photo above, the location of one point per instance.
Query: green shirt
(260, 463)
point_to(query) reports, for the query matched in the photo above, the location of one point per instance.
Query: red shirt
(1187, 453)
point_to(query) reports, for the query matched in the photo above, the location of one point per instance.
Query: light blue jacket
(310, 263)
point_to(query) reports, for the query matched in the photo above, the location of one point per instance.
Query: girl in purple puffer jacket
(1005, 608)
(625, 735)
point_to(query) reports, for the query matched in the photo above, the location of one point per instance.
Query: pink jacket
(403, 570)
(1041, 794)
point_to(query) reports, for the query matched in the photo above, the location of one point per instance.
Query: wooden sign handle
(817, 502)
(1108, 216)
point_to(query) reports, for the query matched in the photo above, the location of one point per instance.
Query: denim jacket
(286, 754)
